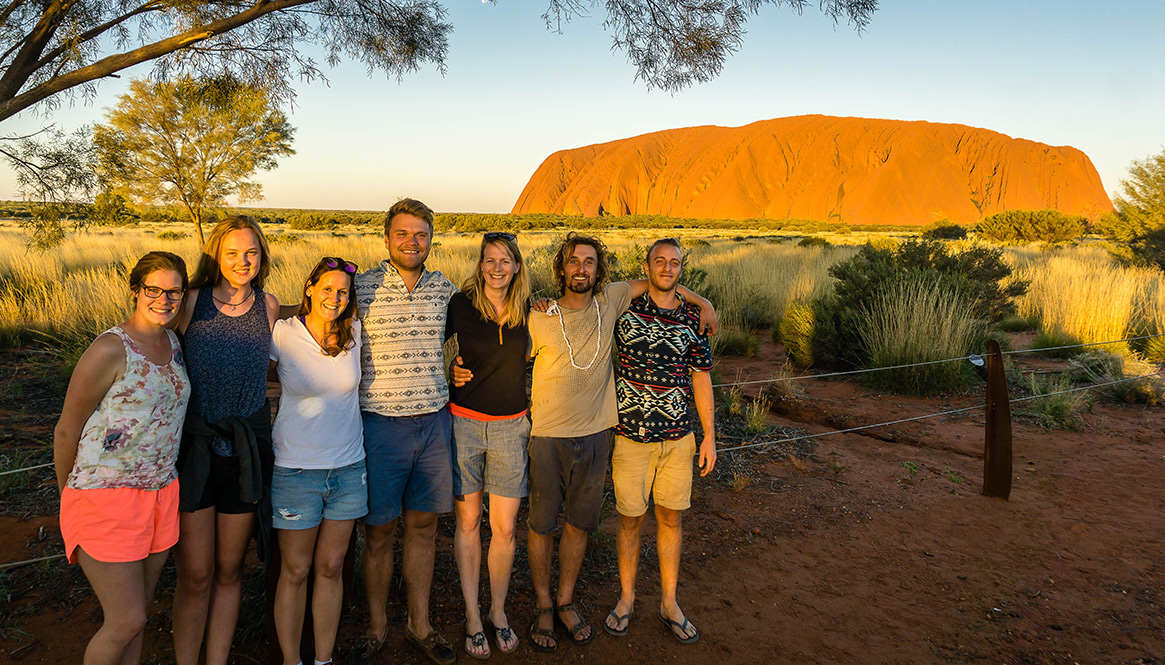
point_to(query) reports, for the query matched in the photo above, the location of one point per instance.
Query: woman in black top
(490, 428)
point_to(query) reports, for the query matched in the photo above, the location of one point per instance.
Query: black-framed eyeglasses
(500, 235)
(172, 295)
(334, 262)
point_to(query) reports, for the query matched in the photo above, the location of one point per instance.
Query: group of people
(165, 438)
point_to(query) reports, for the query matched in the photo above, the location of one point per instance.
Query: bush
(1015, 323)
(944, 230)
(312, 221)
(283, 238)
(1099, 366)
(813, 241)
(171, 235)
(1140, 206)
(1144, 250)
(919, 319)
(1052, 338)
(796, 333)
(1022, 226)
(1055, 411)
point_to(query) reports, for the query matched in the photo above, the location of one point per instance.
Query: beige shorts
(660, 470)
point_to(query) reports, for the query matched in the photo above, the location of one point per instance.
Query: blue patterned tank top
(226, 357)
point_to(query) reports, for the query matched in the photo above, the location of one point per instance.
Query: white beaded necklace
(554, 309)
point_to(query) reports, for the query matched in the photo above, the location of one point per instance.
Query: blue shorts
(410, 464)
(490, 455)
(302, 498)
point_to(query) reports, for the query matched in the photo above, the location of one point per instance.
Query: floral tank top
(131, 440)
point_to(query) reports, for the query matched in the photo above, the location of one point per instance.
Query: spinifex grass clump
(918, 320)
(1129, 379)
(1056, 409)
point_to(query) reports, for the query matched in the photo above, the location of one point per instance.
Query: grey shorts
(490, 455)
(567, 474)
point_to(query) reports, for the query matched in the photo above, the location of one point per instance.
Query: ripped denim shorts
(302, 498)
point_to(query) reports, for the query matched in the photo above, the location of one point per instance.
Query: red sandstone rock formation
(854, 170)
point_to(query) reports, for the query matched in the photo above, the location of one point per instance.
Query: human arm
(461, 374)
(273, 313)
(102, 364)
(187, 312)
(702, 392)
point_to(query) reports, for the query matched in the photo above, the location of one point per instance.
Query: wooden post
(997, 431)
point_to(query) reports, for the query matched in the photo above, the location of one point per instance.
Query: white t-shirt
(318, 424)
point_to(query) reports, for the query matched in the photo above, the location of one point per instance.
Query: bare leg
(503, 518)
(122, 589)
(417, 561)
(328, 591)
(627, 545)
(538, 549)
(295, 555)
(377, 568)
(571, 548)
(467, 550)
(668, 539)
(232, 535)
(194, 560)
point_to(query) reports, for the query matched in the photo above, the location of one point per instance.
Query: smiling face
(498, 267)
(330, 294)
(162, 309)
(579, 269)
(408, 241)
(664, 267)
(239, 257)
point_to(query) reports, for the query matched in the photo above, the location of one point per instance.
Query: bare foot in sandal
(619, 619)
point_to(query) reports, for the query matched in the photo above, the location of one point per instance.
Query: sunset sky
(1061, 72)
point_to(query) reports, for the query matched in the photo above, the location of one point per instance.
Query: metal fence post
(997, 430)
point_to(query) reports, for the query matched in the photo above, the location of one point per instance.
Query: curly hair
(566, 250)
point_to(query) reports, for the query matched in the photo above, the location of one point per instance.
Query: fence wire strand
(27, 468)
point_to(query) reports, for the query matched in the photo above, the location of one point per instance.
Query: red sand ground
(836, 555)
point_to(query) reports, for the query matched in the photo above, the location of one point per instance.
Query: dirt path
(862, 548)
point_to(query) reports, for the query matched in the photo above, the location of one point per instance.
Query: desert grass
(916, 321)
(1082, 296)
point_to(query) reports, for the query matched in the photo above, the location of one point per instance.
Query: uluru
(852, 170)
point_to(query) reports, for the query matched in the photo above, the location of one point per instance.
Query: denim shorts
(490, 455)
(567, 475)
(302, 498)
(410, 465)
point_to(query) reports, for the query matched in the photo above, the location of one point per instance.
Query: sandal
(535, 631)
(363, 651)
(477, 640)
(578, 627)
(672, 625)
(436, 647)
(503, 636)
(618, 620)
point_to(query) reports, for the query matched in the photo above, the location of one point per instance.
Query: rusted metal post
(997, 430)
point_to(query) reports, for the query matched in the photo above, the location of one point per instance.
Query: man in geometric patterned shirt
(663, 363)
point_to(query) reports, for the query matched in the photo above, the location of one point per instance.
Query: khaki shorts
(660, 470)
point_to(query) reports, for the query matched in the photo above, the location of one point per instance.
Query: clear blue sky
(1061, 72)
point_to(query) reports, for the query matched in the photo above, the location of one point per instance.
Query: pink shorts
(121, 524)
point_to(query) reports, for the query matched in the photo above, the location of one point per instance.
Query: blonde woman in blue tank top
(114, 448)
(225, 462)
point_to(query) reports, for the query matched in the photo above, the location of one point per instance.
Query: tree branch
(153, 5)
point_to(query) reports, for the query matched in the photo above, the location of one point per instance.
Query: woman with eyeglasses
(115, 446)
(225, 462)
(319, 486)
(490, 429)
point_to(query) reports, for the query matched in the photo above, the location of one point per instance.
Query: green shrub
(796, 333)
(1014, 323)
(1147, 249)
(813, 241)
(978, 275)
(944, 230)
(283, 238)
(171, 235)
(919, 319)
(1055, 411)
(1050, 338)
(312, 221)
(732, 341)
(1100, 366)
(1022, 226)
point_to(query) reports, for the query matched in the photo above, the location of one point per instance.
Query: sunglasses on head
(500, 235)
(335, 262)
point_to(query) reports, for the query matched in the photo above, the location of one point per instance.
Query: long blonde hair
(208, 272)
(517, 295)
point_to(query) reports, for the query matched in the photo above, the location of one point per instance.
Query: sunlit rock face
(854, 170)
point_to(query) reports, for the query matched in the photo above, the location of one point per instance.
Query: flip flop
(502, 635)
(672, 625)
(535, 631)
(618, 620)
(478, 640)
(578, 627)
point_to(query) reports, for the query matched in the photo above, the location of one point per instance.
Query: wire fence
(27, 468)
